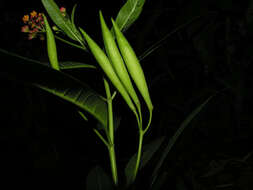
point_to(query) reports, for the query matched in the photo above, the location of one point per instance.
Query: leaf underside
(26, 71)
(148, 151)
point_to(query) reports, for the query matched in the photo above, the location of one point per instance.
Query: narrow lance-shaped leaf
(75, 65)
(67, 65)
(72, 90)
(97, 179)
(73, 17)
(148, 151)
(63, 23)
(129, 13)
(162, 41)
(174, 138)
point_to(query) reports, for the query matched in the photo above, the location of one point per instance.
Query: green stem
(110, 111)
(110, 134)
(70, 43)
(140, 117)
(149, 122)
(138, 159)
(113, 164)
(141, 135)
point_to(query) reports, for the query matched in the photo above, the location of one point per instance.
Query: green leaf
(161, 180)
(75, 65)
(129, 13)
(66, 65)
(97, 179)
(73, 16)
(55, 82)
(174, 138)
(73, 13)
(148, 151)
(162, 41)
(62, 22)
(116, 123)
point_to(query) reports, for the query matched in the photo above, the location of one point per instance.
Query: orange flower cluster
(34, 25)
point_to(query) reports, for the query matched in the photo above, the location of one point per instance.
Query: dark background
(44, 142)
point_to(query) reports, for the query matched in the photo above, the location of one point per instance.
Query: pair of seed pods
(119, 64)
(115, 67)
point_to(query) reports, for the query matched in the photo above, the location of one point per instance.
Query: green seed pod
(117, 61)
(133, 65)
(51, 46)
(106, 66)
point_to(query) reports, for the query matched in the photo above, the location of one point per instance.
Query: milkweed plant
(122, 72)
(116, 59)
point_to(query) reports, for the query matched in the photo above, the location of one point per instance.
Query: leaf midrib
(131, 12)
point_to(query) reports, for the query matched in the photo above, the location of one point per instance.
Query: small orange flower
(33, 14)
(34, 25)
(25, 18)
(39, 18)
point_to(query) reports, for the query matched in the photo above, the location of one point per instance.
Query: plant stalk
(113, 164)
(138, 159)
(110, 134)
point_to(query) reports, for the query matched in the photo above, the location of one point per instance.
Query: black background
(44, 142)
